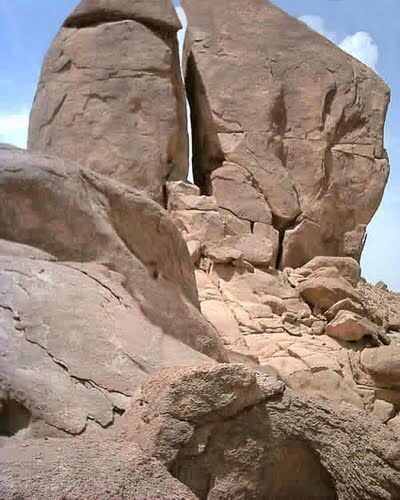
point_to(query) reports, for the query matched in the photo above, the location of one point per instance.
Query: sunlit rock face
(110, 93)
(288, 129)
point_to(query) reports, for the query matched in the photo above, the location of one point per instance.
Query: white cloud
(14, 128)
(318, 24)
(362, 46)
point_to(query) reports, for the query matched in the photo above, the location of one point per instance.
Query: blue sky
(367, 29)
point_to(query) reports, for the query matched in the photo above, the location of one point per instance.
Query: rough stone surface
(229, 432)
(344, 305)
(349, 326)
(74, 345)
(383, 364)
(324, 287)
(78, 215)
(348, 268)
(110, 94)
(84, 468)
(296, 146)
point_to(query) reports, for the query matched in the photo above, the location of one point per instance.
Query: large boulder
(80, 216)
(324, 287)
(383, 365)
(74, 345)
(298, 146)
(110, 94)
(230, 432)
(348, 268)
(350, 326)
(84, 468)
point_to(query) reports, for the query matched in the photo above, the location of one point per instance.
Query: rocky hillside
(163, 339)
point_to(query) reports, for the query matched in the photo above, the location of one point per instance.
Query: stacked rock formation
(160, 339)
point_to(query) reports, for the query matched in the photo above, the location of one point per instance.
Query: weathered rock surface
(84, 468)
(348, 268)
(80, 216)
(73, 346)
(344, 305)
(296, 146)
(110, 94)
(13, 249)
(228, 432)
(324, 287)
(350, 326)
(383, 364)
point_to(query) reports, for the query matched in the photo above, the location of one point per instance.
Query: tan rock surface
(229, 432)
(77, 215)
(325, 287)
(296, 146)
(84, 468)
(110, 94)
(74, 345)
(348, 268)
(383, 364)
(344, 305)
(13, 249)
(349, 326)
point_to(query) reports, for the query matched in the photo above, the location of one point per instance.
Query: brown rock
(383, 410)
(234, 192)
(13, 249)
(110, 94)
(74, 345)
(84, 468)
(249, 247)
(77, 215)
(302, 142)
(323, 288)
(394, 322)
(348, 268)
(229, 432)
(200, 225)
(344, 305)
(383, 364)
(349, 326)
(394, 424)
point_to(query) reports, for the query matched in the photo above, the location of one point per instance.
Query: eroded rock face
(73, 347)
(110, 94)
(80, 216)
(296, 146)
(84, 468)
(228, 432)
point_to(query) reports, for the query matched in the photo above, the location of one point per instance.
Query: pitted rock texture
(73, 347)
(84, 468)
(230, 432)
(110, 94)
(287, 128)
(80, 216)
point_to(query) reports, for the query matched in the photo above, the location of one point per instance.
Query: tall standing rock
(281, 110)
(110, 94)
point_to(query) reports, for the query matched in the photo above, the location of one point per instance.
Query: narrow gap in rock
(14, 417)
(181, 41)
(280, 249)
(207, 152)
